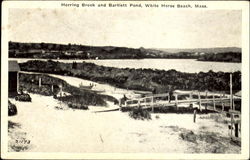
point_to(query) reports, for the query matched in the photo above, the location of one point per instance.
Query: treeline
(69, 51)
(221, 57)
(75, 51)
(139, 79)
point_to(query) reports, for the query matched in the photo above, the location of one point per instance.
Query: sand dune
(67, 130)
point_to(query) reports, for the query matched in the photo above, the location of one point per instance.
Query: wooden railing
(157, 100)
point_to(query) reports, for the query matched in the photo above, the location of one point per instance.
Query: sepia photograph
(125, 77)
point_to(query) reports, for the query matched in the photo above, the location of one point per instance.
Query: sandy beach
(50, 129)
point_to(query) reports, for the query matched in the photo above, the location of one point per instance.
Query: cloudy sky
(156, 28)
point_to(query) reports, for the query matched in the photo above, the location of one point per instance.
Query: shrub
(23, 97)
(235, 142)
(157, 116)
(12, 125)
(12, 110)
(189, 136)
(84, 99)
(139, 113)
(78, 106)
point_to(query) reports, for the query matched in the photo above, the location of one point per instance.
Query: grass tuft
(140, 114)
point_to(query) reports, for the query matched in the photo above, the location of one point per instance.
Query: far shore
(62, 51)
(79, 59)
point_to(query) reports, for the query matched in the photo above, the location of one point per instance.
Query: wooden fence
(161, 100)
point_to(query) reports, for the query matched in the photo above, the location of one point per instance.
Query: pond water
(183, 65)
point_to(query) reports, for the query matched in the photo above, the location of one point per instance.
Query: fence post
(214, 103)
(17, 88)
(236, 129)
(152, 104)
(239, 129)
(52, 88)
(206, 101)
(190, 97)
(176, 101)
(40, 82)
(199, 96)
(231, 124)
(233, 103)
(119, 102)
(222, 104)
(60, 95)
(194, 115)
(231, 92)
(145, 102)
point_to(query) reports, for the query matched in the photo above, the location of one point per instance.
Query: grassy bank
(29, 82)
(139, 79)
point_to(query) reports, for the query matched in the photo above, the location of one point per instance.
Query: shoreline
(138, 79)
(121, 59)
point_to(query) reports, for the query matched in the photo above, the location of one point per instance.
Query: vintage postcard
(125, 80)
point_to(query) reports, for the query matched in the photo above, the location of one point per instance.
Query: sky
(156, 28)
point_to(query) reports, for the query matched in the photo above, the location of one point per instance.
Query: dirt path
(106, 89)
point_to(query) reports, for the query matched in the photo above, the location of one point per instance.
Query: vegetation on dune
(213, 141)
(74, 51)
(77, 97)
(17, 141)
(140, 79)
(219, 118)
(12, 125)
(204, 141)
(140, 114)
(23, 97)
(29, 82)
(76, 101)
(12, 110)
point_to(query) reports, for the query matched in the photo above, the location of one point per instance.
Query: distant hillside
(228, 54)
(70, 51)
(74, 51)
(205, 50)
(221, 57)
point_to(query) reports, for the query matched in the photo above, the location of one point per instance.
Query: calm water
(183, 65)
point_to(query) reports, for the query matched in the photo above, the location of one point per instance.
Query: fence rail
(161, 100)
